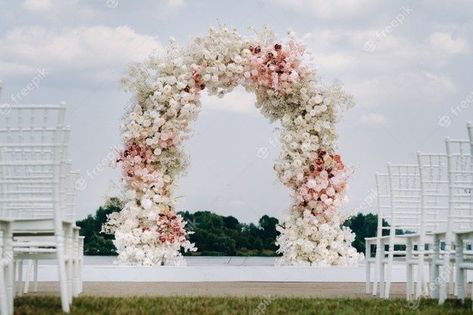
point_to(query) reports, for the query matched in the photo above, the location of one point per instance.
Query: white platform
(218, 269)
(218, 274)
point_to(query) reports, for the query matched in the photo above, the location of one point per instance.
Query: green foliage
(264, 304)
(216, 235)
(95, 242)
(363, 225)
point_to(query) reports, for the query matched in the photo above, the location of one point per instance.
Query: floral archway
(167, 89)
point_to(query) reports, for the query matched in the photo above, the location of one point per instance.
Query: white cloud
(175, 4)
(337, 61)
(337, 9)
(373, 119)
(92, 49)
(169, 7)
(12, 69)
(37, 5)
(408, 88)
(238, 101)
(444, 42)
(394, 71)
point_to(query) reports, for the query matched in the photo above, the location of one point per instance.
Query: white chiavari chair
(6, 253)
(69, 212)
(459, 215)
(6, 268)
(433, 213)
(382, 208)
(464, 239)
(33, 144)
(77, 249)
(404, 214)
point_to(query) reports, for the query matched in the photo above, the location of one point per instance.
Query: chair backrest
(460, 175)
(434, 195)
(383, 203)
(32, 123)
(469, 127)
(70, 193)
(404, 185)
(33, 155)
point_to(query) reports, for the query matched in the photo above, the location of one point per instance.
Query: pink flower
(324, 184)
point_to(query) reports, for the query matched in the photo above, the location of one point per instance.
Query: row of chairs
(425, 223)
(37, 202)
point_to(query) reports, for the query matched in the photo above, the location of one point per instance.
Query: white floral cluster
(167, 90)
(310, 240)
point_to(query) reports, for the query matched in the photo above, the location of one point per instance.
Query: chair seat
(27, 243)
(35, 226)
(466, 265)
(33, 250)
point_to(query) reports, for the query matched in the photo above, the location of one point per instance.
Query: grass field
(39, 305)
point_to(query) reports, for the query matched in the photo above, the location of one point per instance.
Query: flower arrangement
(167, 90)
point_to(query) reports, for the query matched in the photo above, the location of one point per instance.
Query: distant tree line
(216, 235)
(95, 242)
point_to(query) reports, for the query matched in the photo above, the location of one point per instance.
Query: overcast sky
(408, 65)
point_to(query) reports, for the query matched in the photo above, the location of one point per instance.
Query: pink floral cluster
(275, 67)
(170, 228)
(134, 159)
(199, 82)
(325, 184)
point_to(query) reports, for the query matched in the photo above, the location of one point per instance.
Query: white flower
(147, 204)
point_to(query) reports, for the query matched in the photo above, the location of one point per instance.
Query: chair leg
(451, 282)
(10, 269)
(409, 281)
(81, 262)
(434, 270)
(374, 288)
(76, 277)
(28, 276)
(62, 274)
(4, 303)
(10, 279)
(434, 278)
(81, 266)
(20, 278)
(389, 270)
(69, 279)
(426, 284)
(35, 285)
(420, 276)
(382, 280)
(460, 284)
(444, 282)
(69, 264)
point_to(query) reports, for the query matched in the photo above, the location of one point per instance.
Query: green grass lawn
(39, 305)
